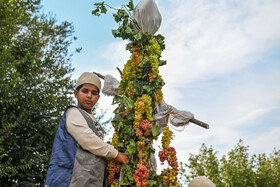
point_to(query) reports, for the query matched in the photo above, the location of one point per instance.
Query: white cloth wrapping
(167, 113)
(147, 16)
(111, 86)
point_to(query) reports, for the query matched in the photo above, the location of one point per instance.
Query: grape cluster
(113, 168)
(169, 177)
(130, 71)
(153, 47)
(143, 144)
(131, 68)
(144, 129)
(115, 140)
(142, 148)
(114, 184)
(166, 138)
(141, 176)
(143, 109)
(169, 154)
(151, 77)
(139, 132)
(153, 60)
(159, 96)
(136, 55)
(152, 53)
(131, 90)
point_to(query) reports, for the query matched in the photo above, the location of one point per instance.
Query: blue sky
(223, 65)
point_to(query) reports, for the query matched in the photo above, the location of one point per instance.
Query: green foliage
(238, 167)
(132, 148)
(205, 163)
(126, 29)
(100, 8)
(235, 169)
(35, 84)
(268, 170)
(130, 5)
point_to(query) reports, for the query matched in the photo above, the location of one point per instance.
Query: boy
(78, 151)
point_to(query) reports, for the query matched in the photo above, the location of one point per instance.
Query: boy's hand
(123, 158)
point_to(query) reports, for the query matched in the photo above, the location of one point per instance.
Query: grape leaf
(155, 131)
(132, 148)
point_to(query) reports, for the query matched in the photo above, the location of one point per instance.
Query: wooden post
(200, 123)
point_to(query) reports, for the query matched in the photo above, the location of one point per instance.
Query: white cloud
(206, 39)
(116, 55)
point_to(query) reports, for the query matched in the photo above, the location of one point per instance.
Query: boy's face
(87, 96)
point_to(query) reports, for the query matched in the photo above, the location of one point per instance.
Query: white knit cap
(201, 181)
(88, 78)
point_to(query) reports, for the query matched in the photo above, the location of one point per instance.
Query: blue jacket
(62, 157)
(70, 164)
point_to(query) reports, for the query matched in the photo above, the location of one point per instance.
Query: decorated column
(141, 114)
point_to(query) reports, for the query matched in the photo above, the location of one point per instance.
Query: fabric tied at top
(167, 113)
(111, 86)
(147, 16)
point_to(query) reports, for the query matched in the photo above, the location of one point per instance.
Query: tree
(268, 170)
(35, 83)
(237, 168)
(205, 163)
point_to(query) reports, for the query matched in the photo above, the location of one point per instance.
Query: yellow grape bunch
(131, 68)
(169, 177)
(152, 53)
(167, 137)
(115, 140)
(159, 96)
(142, 148)
(143, 110)
(114, 184)
(131, 90)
